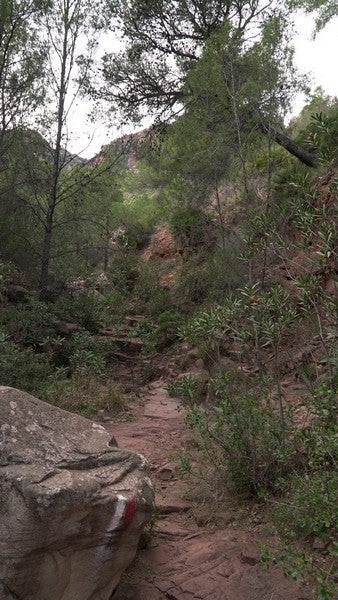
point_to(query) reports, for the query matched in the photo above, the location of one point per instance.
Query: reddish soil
(162, 245)
(193, 551)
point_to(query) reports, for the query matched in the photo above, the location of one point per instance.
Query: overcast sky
(318, 57)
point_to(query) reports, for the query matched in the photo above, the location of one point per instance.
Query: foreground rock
(72, 504)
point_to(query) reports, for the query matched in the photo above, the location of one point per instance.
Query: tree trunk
(288, 144)
(45, 259)
(53, 196)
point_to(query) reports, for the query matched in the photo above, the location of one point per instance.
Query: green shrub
(322, 132)
(144, 329)
(31, 324)
(9, 272)
(265, 158)
(157, 336)
(168, 326)
(190, 226)
(302, 564)
(189, 388)
(191, 287)
(148, 209)
(123, 269)
(206, 279)
(115, 307)
(85, 308)
(307, 506)
(242, 433)
(23, 368)
(207, 329)
(150, 297)
(85, 354)
(131, 236)
(310, 508)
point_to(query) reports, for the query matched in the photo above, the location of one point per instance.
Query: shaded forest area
(245, 274)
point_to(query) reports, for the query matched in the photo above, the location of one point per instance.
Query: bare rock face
(72, 504)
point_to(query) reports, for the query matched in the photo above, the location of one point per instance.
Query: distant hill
(34, 144)
(127, 146)
(71, 160)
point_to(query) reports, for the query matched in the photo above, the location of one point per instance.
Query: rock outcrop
(72, 504)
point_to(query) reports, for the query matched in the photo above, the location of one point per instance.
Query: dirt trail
(187, 559)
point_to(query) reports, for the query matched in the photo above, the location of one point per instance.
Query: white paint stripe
(117, 517)
(103, 551)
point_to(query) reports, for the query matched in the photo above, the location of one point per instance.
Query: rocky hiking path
(187, 558)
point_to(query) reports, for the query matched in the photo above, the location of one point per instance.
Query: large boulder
(72, 504)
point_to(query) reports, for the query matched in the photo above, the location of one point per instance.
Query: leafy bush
(207, 279)
(115, 307)
(150, 296)
(168, 326)
(190, 287)
(145, 329)
(308, 507)
(264, 158)
(123, 269)
(31, 323)
(311, 509)
(207, 329)
(23, 368)
(244, 436)
(8, 272)
(322, 132)
(85, 354)
(190, 226)
(85, 308)
(158, 336)
(189, 388)
(300, 564)
(136, 236)
(147, 209)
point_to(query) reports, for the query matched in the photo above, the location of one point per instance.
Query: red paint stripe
(129, 511)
